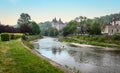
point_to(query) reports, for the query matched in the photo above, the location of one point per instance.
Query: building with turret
(58, 24)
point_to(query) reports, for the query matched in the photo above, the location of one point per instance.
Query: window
(117, 30)
(112, 30)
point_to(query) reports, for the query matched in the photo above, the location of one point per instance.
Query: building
(58, 24)
(113, 27)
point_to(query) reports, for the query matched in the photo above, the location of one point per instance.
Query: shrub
(16, 35)
(24, 37)
(5, 37)
(101, 39)
(12, 36)
(116, 37)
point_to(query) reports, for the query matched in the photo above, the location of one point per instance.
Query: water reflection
(56, 50)
(87, 60)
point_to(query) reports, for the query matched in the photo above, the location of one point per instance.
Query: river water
(86, 60)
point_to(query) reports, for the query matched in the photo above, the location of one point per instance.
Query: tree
(25, 29)
(24, 19)
(44, 27)
(35, 28)
(95, 29)
(9, 29)
(52, 31)
(81, 28)
(70, 28)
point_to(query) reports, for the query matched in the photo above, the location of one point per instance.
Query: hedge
(5, 37)
(16, 35)
(9, 36)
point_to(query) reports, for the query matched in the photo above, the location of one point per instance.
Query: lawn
(14, 58)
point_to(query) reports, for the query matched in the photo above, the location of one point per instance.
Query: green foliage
(24, 37)
(44, 27)
(52, 31)
(95, 29)
(106, 19)
(71, 28)
(5, 37)
(94, 40)
(35, 28)
(24, 19)
(16, 35)
(116, 37)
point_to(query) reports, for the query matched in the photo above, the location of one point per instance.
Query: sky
(46, 10)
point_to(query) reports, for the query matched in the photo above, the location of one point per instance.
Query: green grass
(14, 58)
(31, 38)
(75, 40)
(34, 37)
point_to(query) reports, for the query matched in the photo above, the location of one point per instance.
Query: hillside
(106, 19)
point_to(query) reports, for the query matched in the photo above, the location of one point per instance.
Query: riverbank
(34, 51)
(15, 58)
(84, 43)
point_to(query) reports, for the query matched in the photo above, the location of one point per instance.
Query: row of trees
(79, 26)
(24, 26)
(7, 28)
(82, 25)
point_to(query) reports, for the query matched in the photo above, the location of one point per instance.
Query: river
(86, 60)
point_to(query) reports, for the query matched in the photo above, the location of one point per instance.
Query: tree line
(24, 25)
(79, 26)
(9, 29)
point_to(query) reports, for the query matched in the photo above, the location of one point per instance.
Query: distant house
(58, 24)
(113, 27)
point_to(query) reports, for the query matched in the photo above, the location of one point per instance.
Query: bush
(116, 37)
(101, 39)
(24, 37)
(16, 36)
(5, 37)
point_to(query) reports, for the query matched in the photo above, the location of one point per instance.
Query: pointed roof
(60, 21)
(54, 20)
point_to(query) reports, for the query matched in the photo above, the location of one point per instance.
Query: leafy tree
(95, 29)
(25, 29)
(70, 28)
(52, 31)
(9, 29)
(81, 28)
(24, 19)
(35, 28)
(88, 23)
(44, 28)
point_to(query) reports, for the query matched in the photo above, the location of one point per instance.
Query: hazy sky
(46, 10)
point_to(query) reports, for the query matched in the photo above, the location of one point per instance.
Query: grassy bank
(14, 58)
(89, 42)
(30, 38)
